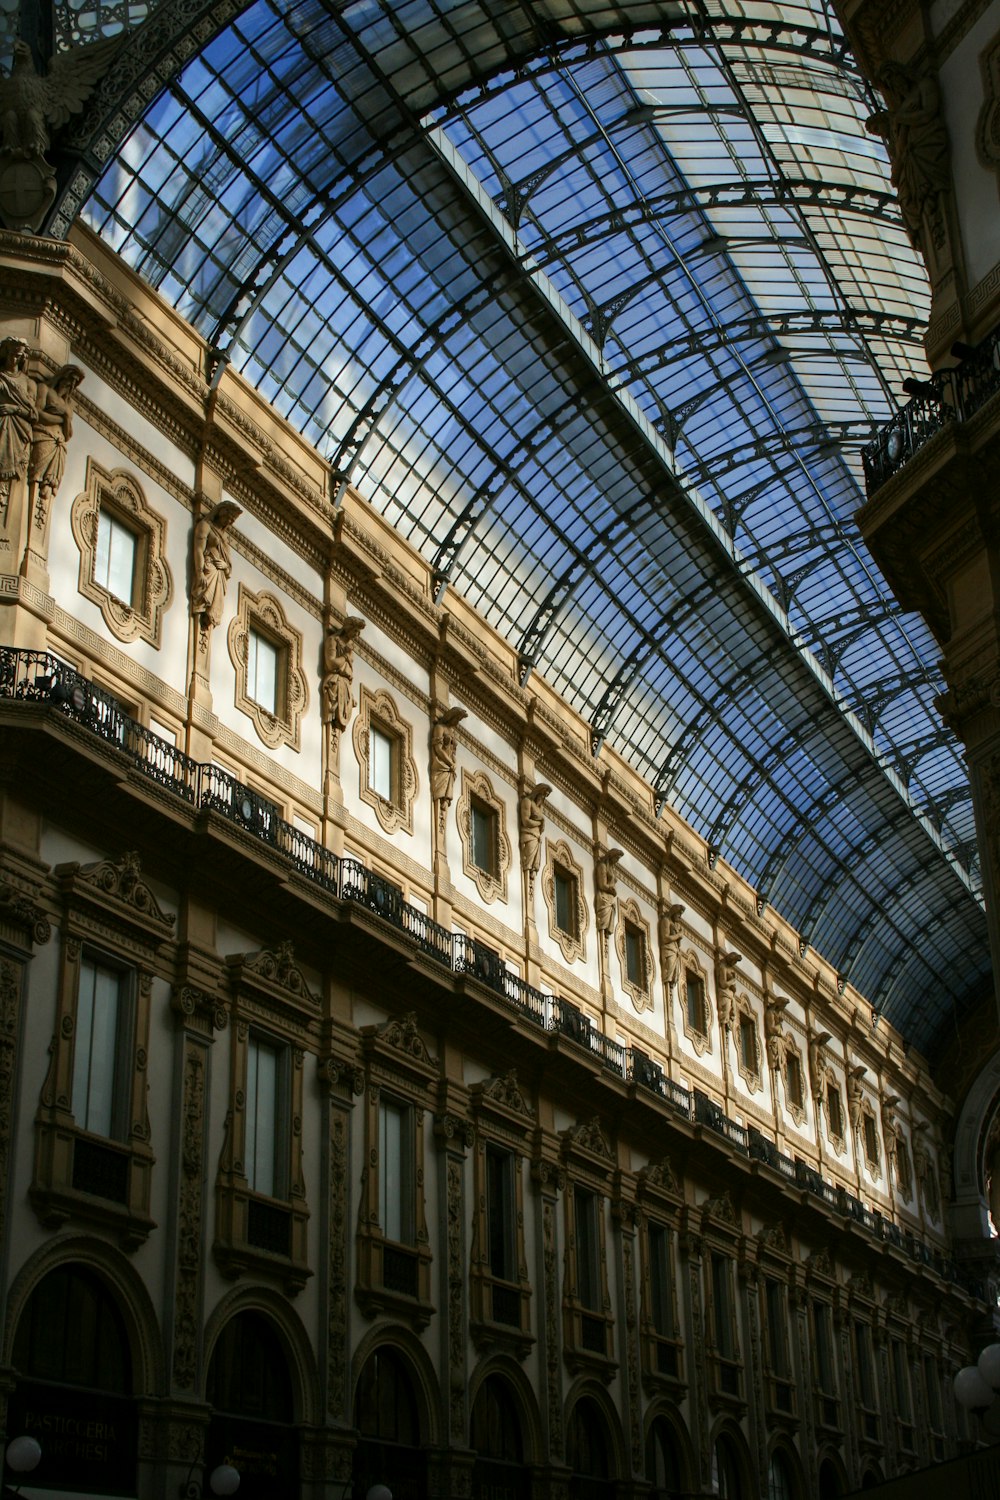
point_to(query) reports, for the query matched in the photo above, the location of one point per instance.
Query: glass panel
(722, 1298)
(565, 902)
(95, 1052)
(660, 1285)
(501, 1213)
(261, 1152)
(635, 967)
(777, 1328)
(380, 755)
(696, 1003)
(114, 557)
(588, 1264)
(262, 671)
(483, 820)
(396, 1172)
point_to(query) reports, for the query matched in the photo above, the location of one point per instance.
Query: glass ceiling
(598, 304)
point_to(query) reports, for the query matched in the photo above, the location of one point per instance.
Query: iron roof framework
(597, 304)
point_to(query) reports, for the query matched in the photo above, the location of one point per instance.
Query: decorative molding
(630, 916)
(491, 884)
(700, 1036)
(395, 813)
(119, 494)
(263, 612)
(751, 1072)
(572, 945)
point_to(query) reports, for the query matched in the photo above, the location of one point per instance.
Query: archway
(831, 1480)
(386, 1414)
(667, 1460)
(590, 1452)
(730, 1469)
(498, 1439)
(249, 1388)
(75, 1391)
(784, 1481)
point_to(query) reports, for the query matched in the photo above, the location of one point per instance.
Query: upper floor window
(266, 653)
(263, 670)
(635, 956)
(588, 1251)
(483, 839)
(793, 1080)
(823, 1360)
(869, 1136)
(864, 1362)
(381, 762)
(100, 1047)
(486, 849)
(694, 998)
(501, 1213)
(115, 556)
(567, 910)
(396, 1171)
(565, 891)
(123, 566)
(834, 1113)
(265, 1149)
(779, 1356)
(383, 744)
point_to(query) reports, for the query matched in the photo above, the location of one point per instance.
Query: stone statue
(774, 1030)
(818, 1067)
(31, 104)
(17, 415)
(51, 432)
(855, 1095)
(211, 564)
(670, 932)
(338, 673)
(923, 1165)
(605, 886)
(444, 757)
(531, 823)
(913, 128)
(890, 1130)
(725, 979)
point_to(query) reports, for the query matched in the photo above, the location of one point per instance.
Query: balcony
(949, 396)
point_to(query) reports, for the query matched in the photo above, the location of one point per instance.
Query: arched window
(830, 1486)
(75, 1390)
(387, 1415)
(664, 1468)
(249, 1388)
(780, 1483)
(728, 1470)
(496, 1436)
(588, 1452)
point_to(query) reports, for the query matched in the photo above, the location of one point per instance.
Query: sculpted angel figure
(52, 430)
(17, 412)
(31, 103)
(855, 1095)
(890, 1130)
(211, 563)
(817, 1065)
(444, 758)
(670, 932)
(774, 1009)
(338, 666)
(605, 886)
(531, 820)
(726, 986)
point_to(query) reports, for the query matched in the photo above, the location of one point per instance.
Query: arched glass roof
(597, 303)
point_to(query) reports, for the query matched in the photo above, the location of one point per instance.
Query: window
(776, 1315)
(904, 1170)
(870, 1137)
(826, 1381)
(694, 997)
(864, 1363)
(263, 669)
(748, 1043)
(635, 956)
(695, 1002)
(483, 836)
(501, 1213)
(123, 565)
(793, 1081)
(383, 744)
(395, 1162)
(266, 1092)
(588, 1261)
(631, 941)
(901, 1382)
(723, 1313)
(500, 1293)
(101, 1016)
(932, 1386)
(661, 1289)
(266, 653)
(565, 901)
(115, 556)
(381, 748)
(834, 1113)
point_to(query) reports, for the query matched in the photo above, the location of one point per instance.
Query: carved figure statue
(338, 673)
(17, 413)
(531, 819)
(211, 563)
(774, 1030)
(605, 886)
(444, 758)
(914, 131)
(923, 1165)
(818, 1066)
(670, 932)
(52, 430)
(855, 1095)
(890, 1130)
(725, 978)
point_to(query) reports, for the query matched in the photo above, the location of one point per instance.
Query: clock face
(894, 447)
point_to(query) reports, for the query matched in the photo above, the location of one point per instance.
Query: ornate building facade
(390, 1095)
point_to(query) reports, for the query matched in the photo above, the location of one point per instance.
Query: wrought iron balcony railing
(39, 678)
(952, 395)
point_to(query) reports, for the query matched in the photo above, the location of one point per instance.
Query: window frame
(118, 494)
(747, 1023)
(587, 1330)
(632, 923)
(559, 859)
(263, 615)
(695, 974)
(378, 713)
(477, 792)
(504, 1123)
(659, 1198)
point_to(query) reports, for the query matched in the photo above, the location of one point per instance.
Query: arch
(979, 1109)
(871, 1475)
(731, 1467)
(785, 1477)
(294, 1341)
(587, 1406)
(124, 1285)
(666, 1421)
(508, 1369)
(426, 1388)
(832, 1476)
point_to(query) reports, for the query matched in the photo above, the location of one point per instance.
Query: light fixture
(971, 1390)
(988, 1366)
(23, 1454)
(379, 1492)
(224, 1480)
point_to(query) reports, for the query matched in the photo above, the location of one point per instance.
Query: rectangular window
(635, 956)
(115, 556)
(501, 1213)
(775, 1303)
(932, 1386)
(722, 1302)
(588, 1254)
(865, 1365)
(695, 991)
(265, 1114)
(748, 1043)
(793, 1080)
(263, 659)
(661, 1290)
(396, 1171)
(381, 748)
(871, 1140)
(102, 1003)
(834, 1112)
(483, 821)
(901, 1382)
(823, 1349)
(567, 919)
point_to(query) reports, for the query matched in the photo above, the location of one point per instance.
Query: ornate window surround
(630, 915)
(111, 913)
(397, 1062)
(796, 1110)
(659, 1198)
(572, 947)
(491, 885)
(263, 613)
(838, 1140)
(870, 1138)
(376, 707)
(701, 1041)
(120, 495)
(271, 1000)
(743, 1010)
(503, 1118)
(587, 1332)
